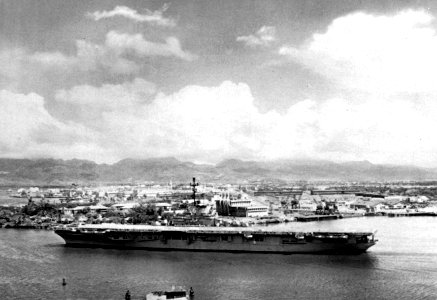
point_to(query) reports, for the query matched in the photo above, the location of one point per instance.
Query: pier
(411, 214)
(313, 218)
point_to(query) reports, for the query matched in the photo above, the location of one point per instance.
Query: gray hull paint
(270, 244)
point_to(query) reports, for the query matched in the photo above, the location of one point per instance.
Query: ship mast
(194, 184)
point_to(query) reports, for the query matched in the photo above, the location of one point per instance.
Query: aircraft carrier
(227, 239)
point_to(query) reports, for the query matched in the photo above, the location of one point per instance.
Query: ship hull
(227, 241)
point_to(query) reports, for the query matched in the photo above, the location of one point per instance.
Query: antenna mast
(194, 184)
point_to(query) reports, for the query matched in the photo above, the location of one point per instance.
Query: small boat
(175, 294)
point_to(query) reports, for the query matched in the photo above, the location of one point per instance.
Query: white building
(419, 199)
(257, 211)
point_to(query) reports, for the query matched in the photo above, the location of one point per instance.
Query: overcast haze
(209, 80)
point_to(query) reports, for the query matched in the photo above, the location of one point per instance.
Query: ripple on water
(397, 268)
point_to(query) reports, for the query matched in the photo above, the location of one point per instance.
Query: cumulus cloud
(122, 43)
(265, 36)
(384, 110)
(208, 124)
(197, 122)
(121, 53)
(384, 53)
(91, 103)
(389, 60)
(28, 130)
(211, 123)
(112, 54)
(109, 96)
(154, 17)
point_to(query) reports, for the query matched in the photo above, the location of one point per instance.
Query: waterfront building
(372, 205)
(395, 202)
(239, 205)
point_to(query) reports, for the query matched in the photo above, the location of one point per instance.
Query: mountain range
(65, 172)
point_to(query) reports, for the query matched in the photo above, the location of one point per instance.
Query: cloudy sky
(209, 80)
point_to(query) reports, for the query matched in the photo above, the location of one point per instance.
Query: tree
(143, 213)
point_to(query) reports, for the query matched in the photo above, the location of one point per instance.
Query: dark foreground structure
(225, 239)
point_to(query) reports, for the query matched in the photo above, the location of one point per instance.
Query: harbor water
(403, 265)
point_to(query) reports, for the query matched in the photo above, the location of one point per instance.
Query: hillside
(60, 172)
